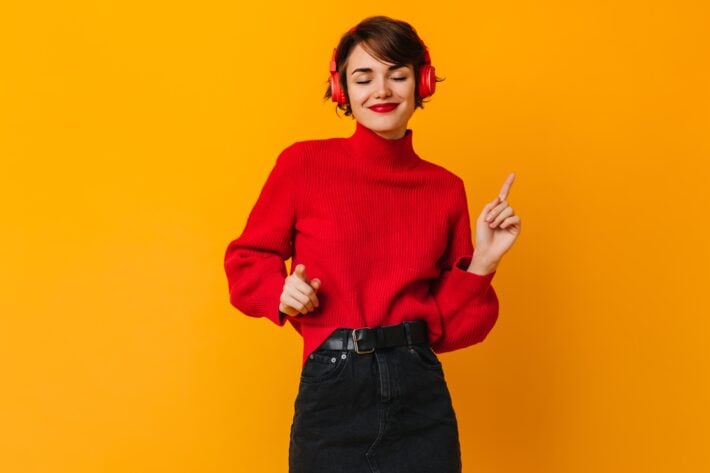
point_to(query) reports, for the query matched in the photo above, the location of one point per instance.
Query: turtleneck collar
(368, 146)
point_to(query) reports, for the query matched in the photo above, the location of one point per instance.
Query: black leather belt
(368, 339)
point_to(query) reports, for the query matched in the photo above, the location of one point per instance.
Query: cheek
(407, 91)
(355, 93)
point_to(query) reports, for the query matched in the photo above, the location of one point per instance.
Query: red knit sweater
(386, 232)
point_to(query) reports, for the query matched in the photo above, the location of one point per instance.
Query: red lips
(383, 107)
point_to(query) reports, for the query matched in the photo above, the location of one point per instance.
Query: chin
(384, 123)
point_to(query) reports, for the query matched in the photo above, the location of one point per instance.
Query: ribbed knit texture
(386, 232)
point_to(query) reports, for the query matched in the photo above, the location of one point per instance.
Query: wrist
(482, 265)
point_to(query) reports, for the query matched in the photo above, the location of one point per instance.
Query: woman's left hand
(497, 226)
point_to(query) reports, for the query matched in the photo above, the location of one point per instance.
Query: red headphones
(426, 85)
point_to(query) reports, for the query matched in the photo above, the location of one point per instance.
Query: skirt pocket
(323, 365)
(425, 356)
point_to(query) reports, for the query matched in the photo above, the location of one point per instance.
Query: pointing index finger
(506, 186)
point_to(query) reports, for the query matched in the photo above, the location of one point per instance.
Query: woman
(387, 236)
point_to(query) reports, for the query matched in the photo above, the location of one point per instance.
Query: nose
(383, 89)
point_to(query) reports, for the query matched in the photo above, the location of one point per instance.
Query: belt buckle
(357, 348)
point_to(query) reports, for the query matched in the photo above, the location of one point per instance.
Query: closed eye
(394, 78)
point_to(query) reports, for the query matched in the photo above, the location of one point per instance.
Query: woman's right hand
(299, 294)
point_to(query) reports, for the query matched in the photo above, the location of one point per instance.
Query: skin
(497, 226)
(380, 85)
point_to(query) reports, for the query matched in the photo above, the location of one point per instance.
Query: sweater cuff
(282, 318)
(272, 312)
(465, 283)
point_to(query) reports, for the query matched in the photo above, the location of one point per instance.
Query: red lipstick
(383, 107)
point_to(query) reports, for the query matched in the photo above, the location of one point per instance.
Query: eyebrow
(369, 69)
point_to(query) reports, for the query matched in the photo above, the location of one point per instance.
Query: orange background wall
(135, 137)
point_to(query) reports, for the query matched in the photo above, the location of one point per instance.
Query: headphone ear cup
(427, 80)
(337, 94)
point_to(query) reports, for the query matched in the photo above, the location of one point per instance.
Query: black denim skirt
(388, 411)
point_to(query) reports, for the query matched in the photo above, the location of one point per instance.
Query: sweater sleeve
(255, 261)
(467, 301)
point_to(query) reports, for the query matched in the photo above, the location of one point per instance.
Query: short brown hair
(388, 40)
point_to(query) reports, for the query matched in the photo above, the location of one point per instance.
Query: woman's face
(371, 82)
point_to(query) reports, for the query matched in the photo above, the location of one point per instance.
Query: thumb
(301, 272)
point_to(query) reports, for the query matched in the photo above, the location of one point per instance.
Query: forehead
(361, 61)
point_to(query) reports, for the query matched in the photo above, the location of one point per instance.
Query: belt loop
(409, 333)
(346, 335)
